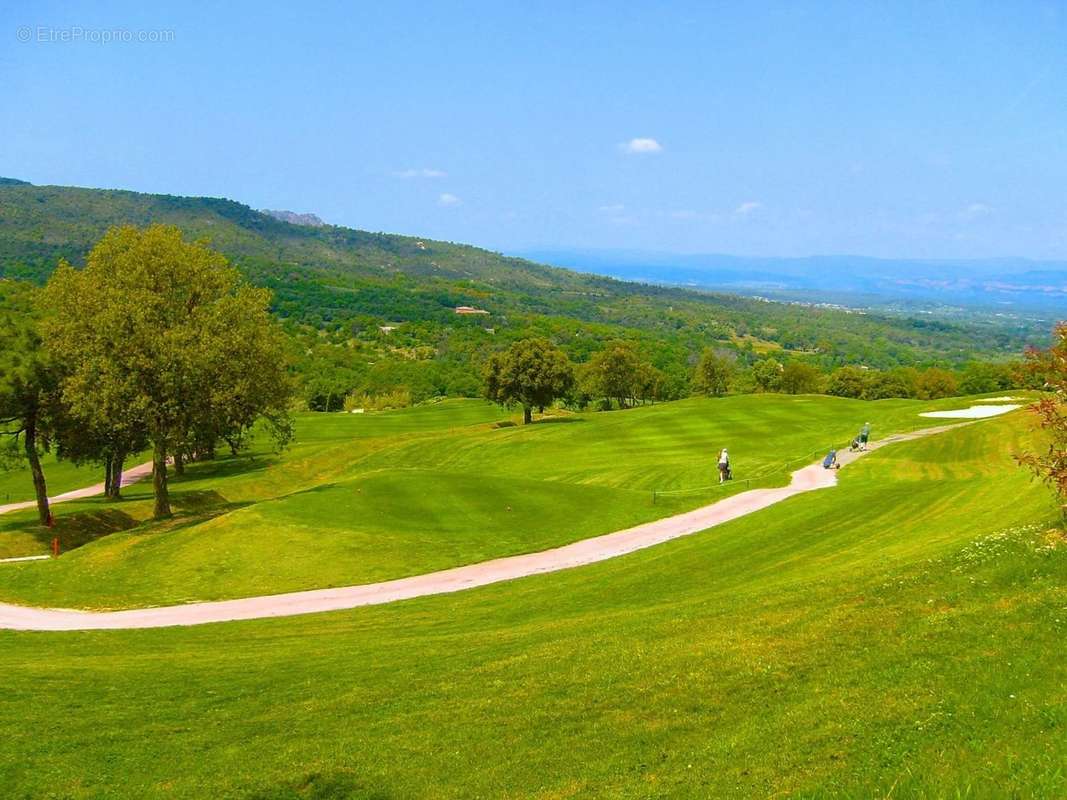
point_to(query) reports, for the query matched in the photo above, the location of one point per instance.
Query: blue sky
(886, 129)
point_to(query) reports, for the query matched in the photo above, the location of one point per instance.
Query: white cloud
(614, 208)
(975, 210)
(447, 199)
(424, 172)
(748, 207)
(641, 146)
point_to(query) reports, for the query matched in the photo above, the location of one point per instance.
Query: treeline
(157, 344)
(608, 372)
(535, 373)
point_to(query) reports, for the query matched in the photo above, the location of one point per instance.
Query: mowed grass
(15, 484)
(365, 498)
(900, 635)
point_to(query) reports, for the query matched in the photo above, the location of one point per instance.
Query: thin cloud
(424, 172)
(641, 146)
(448, 199)
(614, 208)
(748, 207)
(975, 210)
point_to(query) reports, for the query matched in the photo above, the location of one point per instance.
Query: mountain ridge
(342, 278)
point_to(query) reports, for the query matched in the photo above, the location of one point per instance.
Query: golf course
(424, 401)
(900, 632)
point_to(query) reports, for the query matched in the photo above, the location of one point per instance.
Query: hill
(901, 632)
(378, 310)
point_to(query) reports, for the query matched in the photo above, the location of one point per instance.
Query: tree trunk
(108, 461)
(159, 481)
(527, 415)
(114, 489)
(179, 462)
(29, 441)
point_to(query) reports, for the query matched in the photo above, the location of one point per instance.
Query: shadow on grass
(333, 786)
(557, 420)
(82, 527)
(75, 530)
(198, 500)
(322, 487)
(223, 467)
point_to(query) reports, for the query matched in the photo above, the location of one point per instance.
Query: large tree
(162, 334)
(1050, 366)
(934, 383)
(713, 373)
(532, 373)
(850, 381)
(28, 389)
(767, 374)
(614, 373)
(801, 378)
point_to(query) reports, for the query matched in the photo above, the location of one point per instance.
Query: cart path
(131, 475)
(580, 553)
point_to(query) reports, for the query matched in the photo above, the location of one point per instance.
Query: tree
(614, 373)
(767, 375)
(713, 374)
(161, 335)
(28, 390)
(848, 382)
(1051, 412)
(532, 373)
(651, 384)
(982, 378)
(935, 383)
(893, 383)
(800, 378)
(99, 443)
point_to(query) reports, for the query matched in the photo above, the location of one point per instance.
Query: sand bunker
(974, 412)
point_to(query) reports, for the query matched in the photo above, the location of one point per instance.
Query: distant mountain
(1011, 284)
(295, 219)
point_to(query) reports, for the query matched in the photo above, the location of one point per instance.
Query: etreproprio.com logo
(76, 34)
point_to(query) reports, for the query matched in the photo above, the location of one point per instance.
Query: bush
(398, 398)
(801, 378)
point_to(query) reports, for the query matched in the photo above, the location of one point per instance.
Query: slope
(899, 635)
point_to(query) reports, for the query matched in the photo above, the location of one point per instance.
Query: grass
(63, 476)
(361, 498)
(900, 635)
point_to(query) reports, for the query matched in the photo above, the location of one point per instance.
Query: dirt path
(131, 475)
(586, 551)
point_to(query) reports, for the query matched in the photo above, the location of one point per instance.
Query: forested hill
(352, 283)
(39, 224)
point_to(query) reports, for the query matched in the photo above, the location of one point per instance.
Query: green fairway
(360, 498)
(899, 635)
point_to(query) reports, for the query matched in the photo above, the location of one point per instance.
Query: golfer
(865, 434)
(724, 465)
